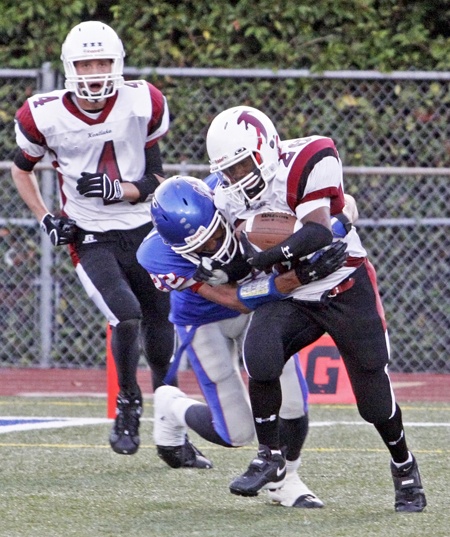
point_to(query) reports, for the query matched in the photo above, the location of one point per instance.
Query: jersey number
(108, 164)
(167, 282)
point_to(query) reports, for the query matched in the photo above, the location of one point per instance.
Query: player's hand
(322, 263)
(60, 229)
(249, 252)
(99, 185)
(210, 272)
(263, 260)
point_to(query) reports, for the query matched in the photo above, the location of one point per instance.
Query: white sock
(292, 466)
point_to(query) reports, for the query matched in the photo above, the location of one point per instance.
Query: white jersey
(111, 142)
(309, 176)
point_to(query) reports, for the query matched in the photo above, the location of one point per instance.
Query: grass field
(63, 482)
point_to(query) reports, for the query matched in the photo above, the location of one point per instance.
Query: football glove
(248, 250)
(215, 273)
(99, 185)
(209, 272)
(322, 263)
(60, 229)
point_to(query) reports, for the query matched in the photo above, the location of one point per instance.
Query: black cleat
(194, 458)
(185, 456)
(409, 494)
(124, 436)
(266, 471)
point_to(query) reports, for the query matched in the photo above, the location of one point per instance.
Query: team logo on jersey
(99, 133)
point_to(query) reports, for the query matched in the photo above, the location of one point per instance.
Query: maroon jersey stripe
(308, 157)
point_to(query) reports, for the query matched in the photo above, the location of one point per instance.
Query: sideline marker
(325, 373)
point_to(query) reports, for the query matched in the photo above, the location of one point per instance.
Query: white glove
(208, 272)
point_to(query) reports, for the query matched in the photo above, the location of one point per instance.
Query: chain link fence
(392, 132)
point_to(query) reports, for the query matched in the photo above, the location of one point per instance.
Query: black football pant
(355, 321)
(123, 290)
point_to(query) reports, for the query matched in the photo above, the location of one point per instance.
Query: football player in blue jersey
(190, 239)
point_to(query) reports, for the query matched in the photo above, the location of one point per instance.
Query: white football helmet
(90, 41)
(236, 134)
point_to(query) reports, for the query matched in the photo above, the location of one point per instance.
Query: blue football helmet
(184, 214)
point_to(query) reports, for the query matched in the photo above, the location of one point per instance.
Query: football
(265, 230)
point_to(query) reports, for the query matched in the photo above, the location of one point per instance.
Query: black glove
(99, 185)
(323, 263)
(249, 252)
(60, 229)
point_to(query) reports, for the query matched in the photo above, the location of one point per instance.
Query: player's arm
(60, 229)
(249, 296)
(228, 294)
(312, 236)
(317, 232)
(28, 187)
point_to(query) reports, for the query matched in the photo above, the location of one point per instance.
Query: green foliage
(358, 34)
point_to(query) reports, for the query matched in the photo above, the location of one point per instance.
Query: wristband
(257, 292)
(146, 186)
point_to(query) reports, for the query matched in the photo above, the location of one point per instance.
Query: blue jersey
(170, 271)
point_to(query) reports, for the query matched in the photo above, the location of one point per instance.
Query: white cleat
(294, 493)
(167, 431)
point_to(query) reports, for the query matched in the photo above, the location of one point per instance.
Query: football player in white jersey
(303, 176)
(101, 134)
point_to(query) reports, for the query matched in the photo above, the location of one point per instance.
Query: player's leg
(214, 358)
(170, 429)
(275, 333)
(364, 346)
(226, 417)
(157, 332)
(110, 291)
(293, 431)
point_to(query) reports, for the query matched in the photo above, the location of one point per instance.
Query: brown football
(265, 230)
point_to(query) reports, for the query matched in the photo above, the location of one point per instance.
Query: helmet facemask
(227, 247)
(251, 186)
(79, 84)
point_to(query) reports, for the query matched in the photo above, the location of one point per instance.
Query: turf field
(65, 481)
